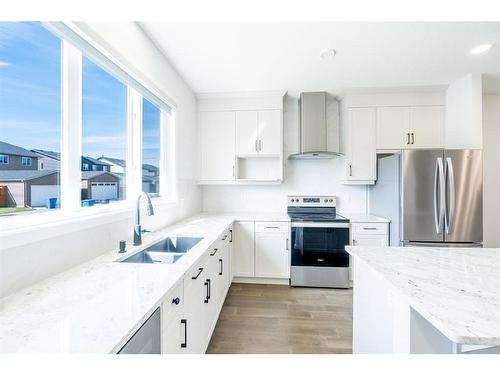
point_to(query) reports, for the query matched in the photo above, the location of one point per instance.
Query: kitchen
(287, 207)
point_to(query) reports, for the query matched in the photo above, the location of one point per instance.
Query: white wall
(301, 177)
(463, 124)
(491, 170)
(28, 257)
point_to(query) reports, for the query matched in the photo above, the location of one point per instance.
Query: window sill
(23, 229)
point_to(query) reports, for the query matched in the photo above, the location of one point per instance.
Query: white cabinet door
(243, 249)
(174, 334)
(247, 132)
(427, 127)
(361, 151)
(393, 124)
(195, 292)
(223, 272)
(270, 132)
(271, 255)
(210, 303)
(217, 156)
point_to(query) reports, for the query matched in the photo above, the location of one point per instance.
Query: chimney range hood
(313, 132)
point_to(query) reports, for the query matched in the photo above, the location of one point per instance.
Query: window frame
(73, 45)
(28, 160)
(7, 159)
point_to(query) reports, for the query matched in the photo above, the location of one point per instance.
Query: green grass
(13, 210)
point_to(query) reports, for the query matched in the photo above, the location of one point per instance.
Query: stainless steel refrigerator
(432, 197)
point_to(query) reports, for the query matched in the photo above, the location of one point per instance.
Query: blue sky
(30, 95)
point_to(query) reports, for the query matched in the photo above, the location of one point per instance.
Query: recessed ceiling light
(327, 53)
(481, 48)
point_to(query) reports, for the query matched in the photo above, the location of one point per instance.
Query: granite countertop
(456, 289)
(97, 306)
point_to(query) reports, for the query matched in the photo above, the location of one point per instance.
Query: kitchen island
(426, 300)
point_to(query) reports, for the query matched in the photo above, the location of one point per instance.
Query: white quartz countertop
(365, 218)
(456, 289)
(97, 306)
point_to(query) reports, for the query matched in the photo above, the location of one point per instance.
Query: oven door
(320, 244)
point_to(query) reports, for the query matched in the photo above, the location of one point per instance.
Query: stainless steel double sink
(166, 251)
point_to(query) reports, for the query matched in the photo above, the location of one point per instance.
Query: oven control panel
(311, 201)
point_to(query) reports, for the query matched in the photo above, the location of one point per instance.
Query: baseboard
(261, 280)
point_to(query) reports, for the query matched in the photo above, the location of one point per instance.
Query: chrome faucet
(137, 226)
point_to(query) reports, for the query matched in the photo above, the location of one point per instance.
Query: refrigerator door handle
(439, 193)
(450, 210)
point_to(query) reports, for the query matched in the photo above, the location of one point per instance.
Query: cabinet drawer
(369, 228)
(173, 302)
(271, 227)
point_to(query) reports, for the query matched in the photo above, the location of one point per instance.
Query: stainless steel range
(318, 237)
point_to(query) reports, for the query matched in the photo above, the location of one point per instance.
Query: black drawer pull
(212, 254)
(230, 235)
(176, 301)
(220, 262)
(184, 344)
(200, 270)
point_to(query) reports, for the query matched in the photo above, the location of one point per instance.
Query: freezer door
(422, 195)
(464, 196)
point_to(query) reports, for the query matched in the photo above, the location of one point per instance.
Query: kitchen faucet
(137, 226)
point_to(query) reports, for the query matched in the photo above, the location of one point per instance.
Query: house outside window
(94, 167)
(26, 161)
(85, 167)
(4, 159)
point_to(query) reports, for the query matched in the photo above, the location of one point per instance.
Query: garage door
(104, 190)
(40, 194)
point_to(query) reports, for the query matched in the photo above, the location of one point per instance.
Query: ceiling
(231, 57)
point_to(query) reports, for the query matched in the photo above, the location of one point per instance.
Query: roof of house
(94, 161)
(57, 156)
(150, 178)
(49, 154)
(150, 167)
(88, 175)
(23, 175)
(9, 149)
(121, 163)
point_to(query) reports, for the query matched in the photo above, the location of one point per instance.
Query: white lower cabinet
(244, 252)
(368, 234)
(191, 310)
(272, 257)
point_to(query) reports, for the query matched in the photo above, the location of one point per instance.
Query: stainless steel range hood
(313, 132)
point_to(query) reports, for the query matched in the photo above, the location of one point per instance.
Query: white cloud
(4, 63)
(103, 139)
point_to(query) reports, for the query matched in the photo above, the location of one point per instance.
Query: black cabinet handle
(407, 138)
(412, 138)
(230, 235)
(200, 270)
(220, 262)
(212, 254)
(184, 344)
(176, 300)
(206, 292)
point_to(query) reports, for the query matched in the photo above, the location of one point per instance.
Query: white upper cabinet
(427, 127)
(360, 150)
(410, 127)
(393, 125)
(270, 138)
(258, 132)
(247, 133)
(241, 138)
(217, 147)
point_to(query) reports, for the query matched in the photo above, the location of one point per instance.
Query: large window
(40, 76)
(30, 117)
(150, 148)
(104, 142)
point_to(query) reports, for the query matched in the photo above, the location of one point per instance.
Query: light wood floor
(281, 319)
